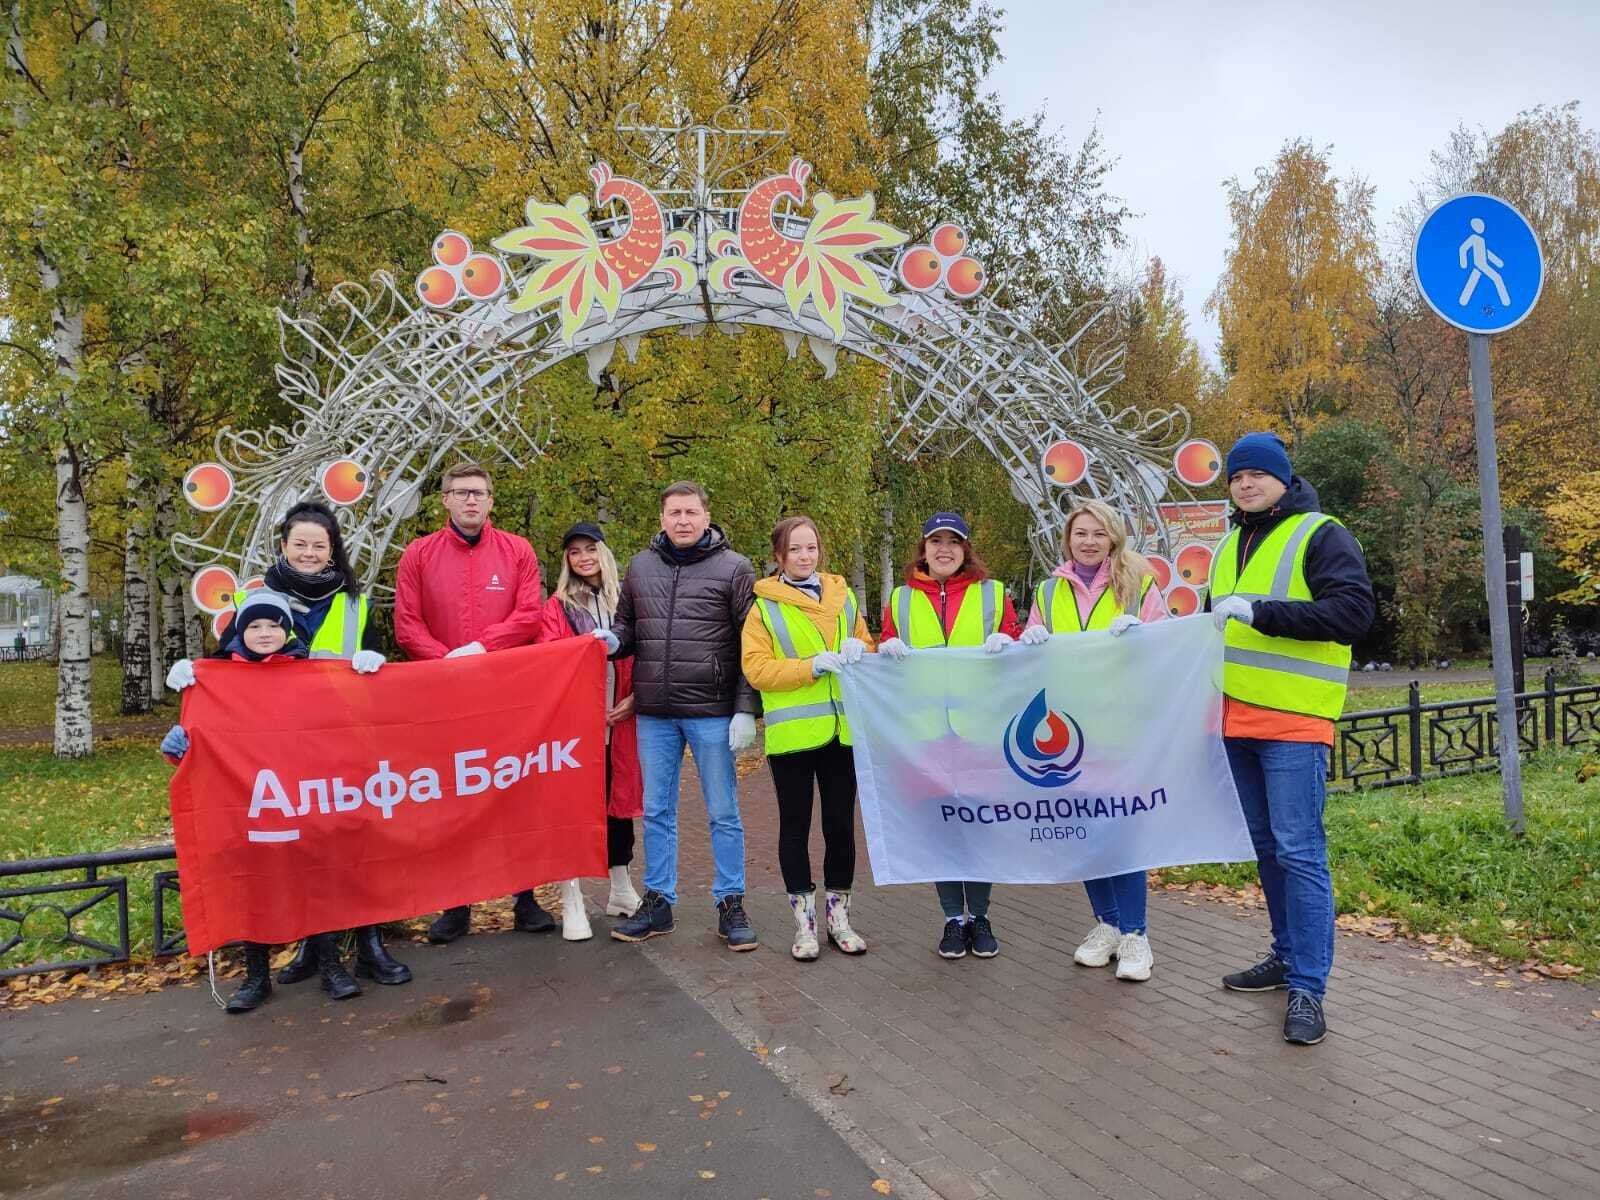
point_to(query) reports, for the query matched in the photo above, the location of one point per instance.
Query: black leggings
(833, 769)
(619, 841)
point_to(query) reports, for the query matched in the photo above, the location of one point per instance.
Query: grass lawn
(28, 696)
(1438, 859)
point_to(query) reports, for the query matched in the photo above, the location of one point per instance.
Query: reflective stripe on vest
(812, 715)
(1278, 672)
(339, 635)
(1057, 602)
(919, 624)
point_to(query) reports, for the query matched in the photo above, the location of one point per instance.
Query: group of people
(698, 646)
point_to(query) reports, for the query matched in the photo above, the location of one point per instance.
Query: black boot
(257, 985)
(301, 967)
(529, 916)
(450, 924)
(336, 980)
(373, 960)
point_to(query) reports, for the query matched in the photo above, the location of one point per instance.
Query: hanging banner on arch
(1088, 756)
(313, 798)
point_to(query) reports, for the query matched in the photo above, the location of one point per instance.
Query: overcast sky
(1191, 92)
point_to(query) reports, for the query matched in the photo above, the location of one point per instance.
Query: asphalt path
(514, 1066)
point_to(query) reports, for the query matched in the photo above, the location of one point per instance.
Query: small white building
(27, 611)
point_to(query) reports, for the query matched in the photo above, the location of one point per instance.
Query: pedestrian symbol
(1484, 262)
(1478, 263)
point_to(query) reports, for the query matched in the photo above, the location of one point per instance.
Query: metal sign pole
(1494, 571)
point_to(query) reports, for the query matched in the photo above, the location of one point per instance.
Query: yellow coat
(765, 670)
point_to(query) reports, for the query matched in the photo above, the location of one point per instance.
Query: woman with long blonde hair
(585, 600)
(1102, 584)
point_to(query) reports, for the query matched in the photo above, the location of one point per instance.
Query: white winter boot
(804, 907)
(839, 931)
(574, 920)
(623, 901)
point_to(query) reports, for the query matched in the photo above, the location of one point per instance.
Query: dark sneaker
(1271, 974)
(450, 924)
(954, 942)
(528, 916)
(653, 918)
(981, 939)
(733, 924)
(1302, 1022)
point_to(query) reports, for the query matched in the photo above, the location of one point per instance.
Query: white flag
(1085, 757)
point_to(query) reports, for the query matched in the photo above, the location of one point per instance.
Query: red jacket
(954, 588)
(626, 798)
(448, 593)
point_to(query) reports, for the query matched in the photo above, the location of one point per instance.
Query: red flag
(315, 799)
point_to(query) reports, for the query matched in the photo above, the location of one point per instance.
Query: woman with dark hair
(331, 618)
(948, 599)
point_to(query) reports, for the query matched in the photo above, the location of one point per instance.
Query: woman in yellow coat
(804, 626)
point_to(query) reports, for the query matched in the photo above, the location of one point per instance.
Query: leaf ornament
(575, 274)
(830, 266)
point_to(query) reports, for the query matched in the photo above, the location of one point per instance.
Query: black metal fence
(27, 654)
(1417, 741)
(1380, 748)
(73, 914)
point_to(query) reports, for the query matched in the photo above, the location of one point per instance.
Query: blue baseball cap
(947, 522)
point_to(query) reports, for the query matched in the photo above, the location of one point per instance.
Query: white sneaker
(623, 901)
(1134, 959)
(574, 920)
(1099, 947)
(804, 907)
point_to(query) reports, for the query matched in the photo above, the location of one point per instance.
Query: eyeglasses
(468, 493)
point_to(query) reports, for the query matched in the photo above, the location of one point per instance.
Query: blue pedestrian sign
(1478, 263)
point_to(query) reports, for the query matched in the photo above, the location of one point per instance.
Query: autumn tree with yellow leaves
(1296, 291)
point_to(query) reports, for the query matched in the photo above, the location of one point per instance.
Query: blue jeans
(661, 743)
(1282, 786)
(957, 898)
(1118, 900)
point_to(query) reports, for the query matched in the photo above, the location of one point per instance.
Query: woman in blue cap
(948, 599)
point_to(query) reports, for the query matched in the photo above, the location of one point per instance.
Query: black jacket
(681, 616)
(1342, 607)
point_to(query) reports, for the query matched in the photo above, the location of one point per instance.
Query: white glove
(1121, 623)
(1035, 635)
(741, 732)
(996, 642)
(826, 660)
(181, 675)
(367, 662)
(893, 648)
(609, 638)
(851, 649)
(463, 651)
(1232, 607)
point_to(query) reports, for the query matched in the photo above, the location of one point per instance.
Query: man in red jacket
(467, 589)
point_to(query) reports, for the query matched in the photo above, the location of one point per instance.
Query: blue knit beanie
(1260, 452)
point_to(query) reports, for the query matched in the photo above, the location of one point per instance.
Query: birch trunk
(74, 723)
(135, 605)
(886, 571)
(170, 581)
(194, 630)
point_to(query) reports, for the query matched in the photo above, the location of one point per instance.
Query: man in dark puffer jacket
(682, 607)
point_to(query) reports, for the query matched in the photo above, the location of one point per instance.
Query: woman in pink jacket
(1103, 585)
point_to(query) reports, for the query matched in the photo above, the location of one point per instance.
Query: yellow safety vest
(339, 635)
(1278, 672)
(1057, 602)
(810, 716)
(919, 625)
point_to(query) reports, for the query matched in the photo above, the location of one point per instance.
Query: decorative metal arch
(391, 377)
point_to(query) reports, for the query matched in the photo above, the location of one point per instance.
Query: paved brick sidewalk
(1026, 1076)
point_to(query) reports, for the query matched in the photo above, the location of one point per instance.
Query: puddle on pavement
(47, 1143)
(448, 1012)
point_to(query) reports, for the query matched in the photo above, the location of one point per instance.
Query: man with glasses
(467, 589)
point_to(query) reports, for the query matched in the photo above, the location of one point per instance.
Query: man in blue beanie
(1289, 590)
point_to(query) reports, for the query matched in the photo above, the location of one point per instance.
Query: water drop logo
(1043, 746)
